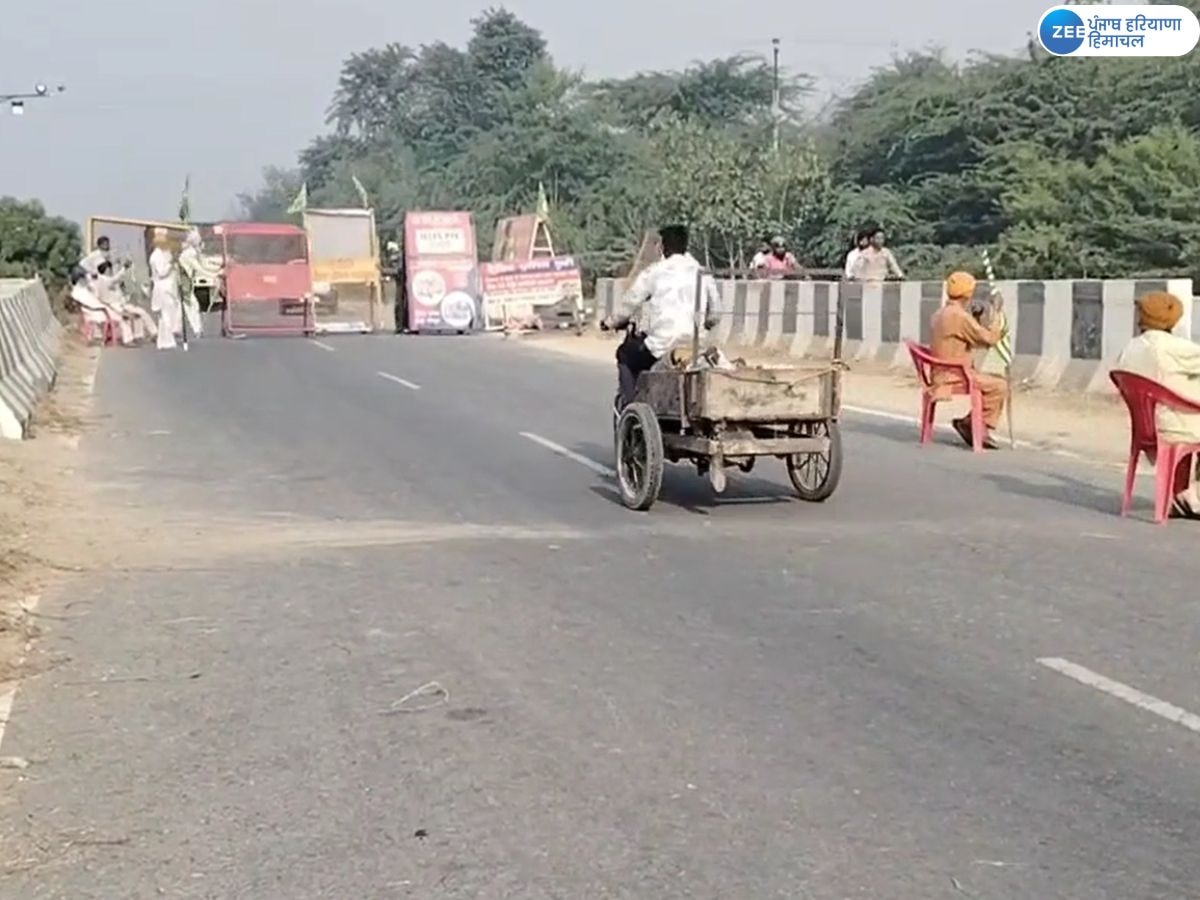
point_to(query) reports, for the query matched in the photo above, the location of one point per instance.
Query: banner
(442, 271)
(516, 289)
(343, 245)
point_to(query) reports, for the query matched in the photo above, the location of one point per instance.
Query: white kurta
(111, 293)
(1174, 362)
(92, 262)
(191, 263)
(98, 312)
(164, 297)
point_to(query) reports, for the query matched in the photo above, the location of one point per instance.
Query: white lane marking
(9, 697)
(1162, 708)
(324, 346)
(401, 381)
(562, 451)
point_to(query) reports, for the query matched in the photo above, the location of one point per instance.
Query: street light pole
(775, 98)
(16, 101)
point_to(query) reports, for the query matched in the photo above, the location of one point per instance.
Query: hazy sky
(219, 88)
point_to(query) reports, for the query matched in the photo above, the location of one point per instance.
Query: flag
(185, 202)
(1000, 357)
(301, 202)
(543, 203)
(362, 192)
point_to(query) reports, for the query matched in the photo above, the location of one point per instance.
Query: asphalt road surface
(899, 694)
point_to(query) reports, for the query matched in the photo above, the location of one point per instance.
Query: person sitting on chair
(955, 334)
(666, 291)
(1173, 362)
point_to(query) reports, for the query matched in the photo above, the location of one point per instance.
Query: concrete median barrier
(1067, 333)
(29, 342)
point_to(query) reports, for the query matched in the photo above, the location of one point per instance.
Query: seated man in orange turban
(955, 335)
(1173, 362)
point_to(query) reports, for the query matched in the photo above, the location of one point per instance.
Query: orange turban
(960, 286)
(1159, 311)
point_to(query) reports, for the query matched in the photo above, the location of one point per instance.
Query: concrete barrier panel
(29, 343)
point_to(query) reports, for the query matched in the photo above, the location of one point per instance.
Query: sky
(217, 89)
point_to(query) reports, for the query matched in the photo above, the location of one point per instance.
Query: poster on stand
(442, 271)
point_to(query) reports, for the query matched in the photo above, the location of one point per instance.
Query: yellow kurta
(1173, 362)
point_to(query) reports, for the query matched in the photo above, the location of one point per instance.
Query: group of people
(870, 259)
(100, 289)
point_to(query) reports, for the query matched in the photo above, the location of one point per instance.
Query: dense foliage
(1063, 167)
(33, 243)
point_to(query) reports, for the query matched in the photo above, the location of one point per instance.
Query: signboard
(344, 254)
(513, 290)
(442, 270)
(522, 237)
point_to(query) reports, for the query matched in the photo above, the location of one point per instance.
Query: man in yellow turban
(956, 334)
(1174, 362)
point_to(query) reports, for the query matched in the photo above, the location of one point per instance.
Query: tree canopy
(35, 244)
(1062, 167)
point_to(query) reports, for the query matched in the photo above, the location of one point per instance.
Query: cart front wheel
(815, 476)
(639, 457)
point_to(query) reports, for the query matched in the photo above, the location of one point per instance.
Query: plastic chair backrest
(1143, 395)
(926, 363)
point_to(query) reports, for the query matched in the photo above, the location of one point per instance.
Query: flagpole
(998, 303)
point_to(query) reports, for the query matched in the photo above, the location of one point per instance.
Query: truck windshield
(267, 249)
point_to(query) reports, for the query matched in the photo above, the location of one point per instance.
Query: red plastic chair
(926, 364)
(1143, 397)
(87, 330)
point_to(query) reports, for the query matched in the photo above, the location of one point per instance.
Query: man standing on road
(164, 292)
(955, 334)
(876, 262)
(667, 292)
(191, 268)
(400, 301)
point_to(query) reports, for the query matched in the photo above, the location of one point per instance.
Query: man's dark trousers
(632, 360)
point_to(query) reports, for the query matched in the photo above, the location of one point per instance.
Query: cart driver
(666, 291)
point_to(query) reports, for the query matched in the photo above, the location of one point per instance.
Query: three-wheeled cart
(728, 418)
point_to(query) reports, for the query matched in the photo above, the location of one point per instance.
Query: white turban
(193, 239)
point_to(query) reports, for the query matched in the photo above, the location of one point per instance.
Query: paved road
(751, 698)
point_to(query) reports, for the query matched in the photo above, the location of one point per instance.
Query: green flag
(185, 202)
(362, 192)
(300, 204)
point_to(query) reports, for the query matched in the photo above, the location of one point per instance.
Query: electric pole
(16, 102)
(775, 98)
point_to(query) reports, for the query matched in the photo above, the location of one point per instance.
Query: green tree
(722, 92)
(34, 244)
(270, 202)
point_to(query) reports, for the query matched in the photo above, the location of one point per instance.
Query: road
(750, 698)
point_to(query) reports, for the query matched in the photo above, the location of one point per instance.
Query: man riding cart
(665, 294)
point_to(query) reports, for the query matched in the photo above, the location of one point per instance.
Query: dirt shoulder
(1096, 427)
(40, 510)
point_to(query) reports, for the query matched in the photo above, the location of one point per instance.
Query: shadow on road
(1061, 489)
(683, 488)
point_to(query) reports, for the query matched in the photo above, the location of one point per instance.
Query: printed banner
(442, 270)
(517, 288)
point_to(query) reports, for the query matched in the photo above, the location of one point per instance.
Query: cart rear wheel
(639, 457)
(815, 476)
